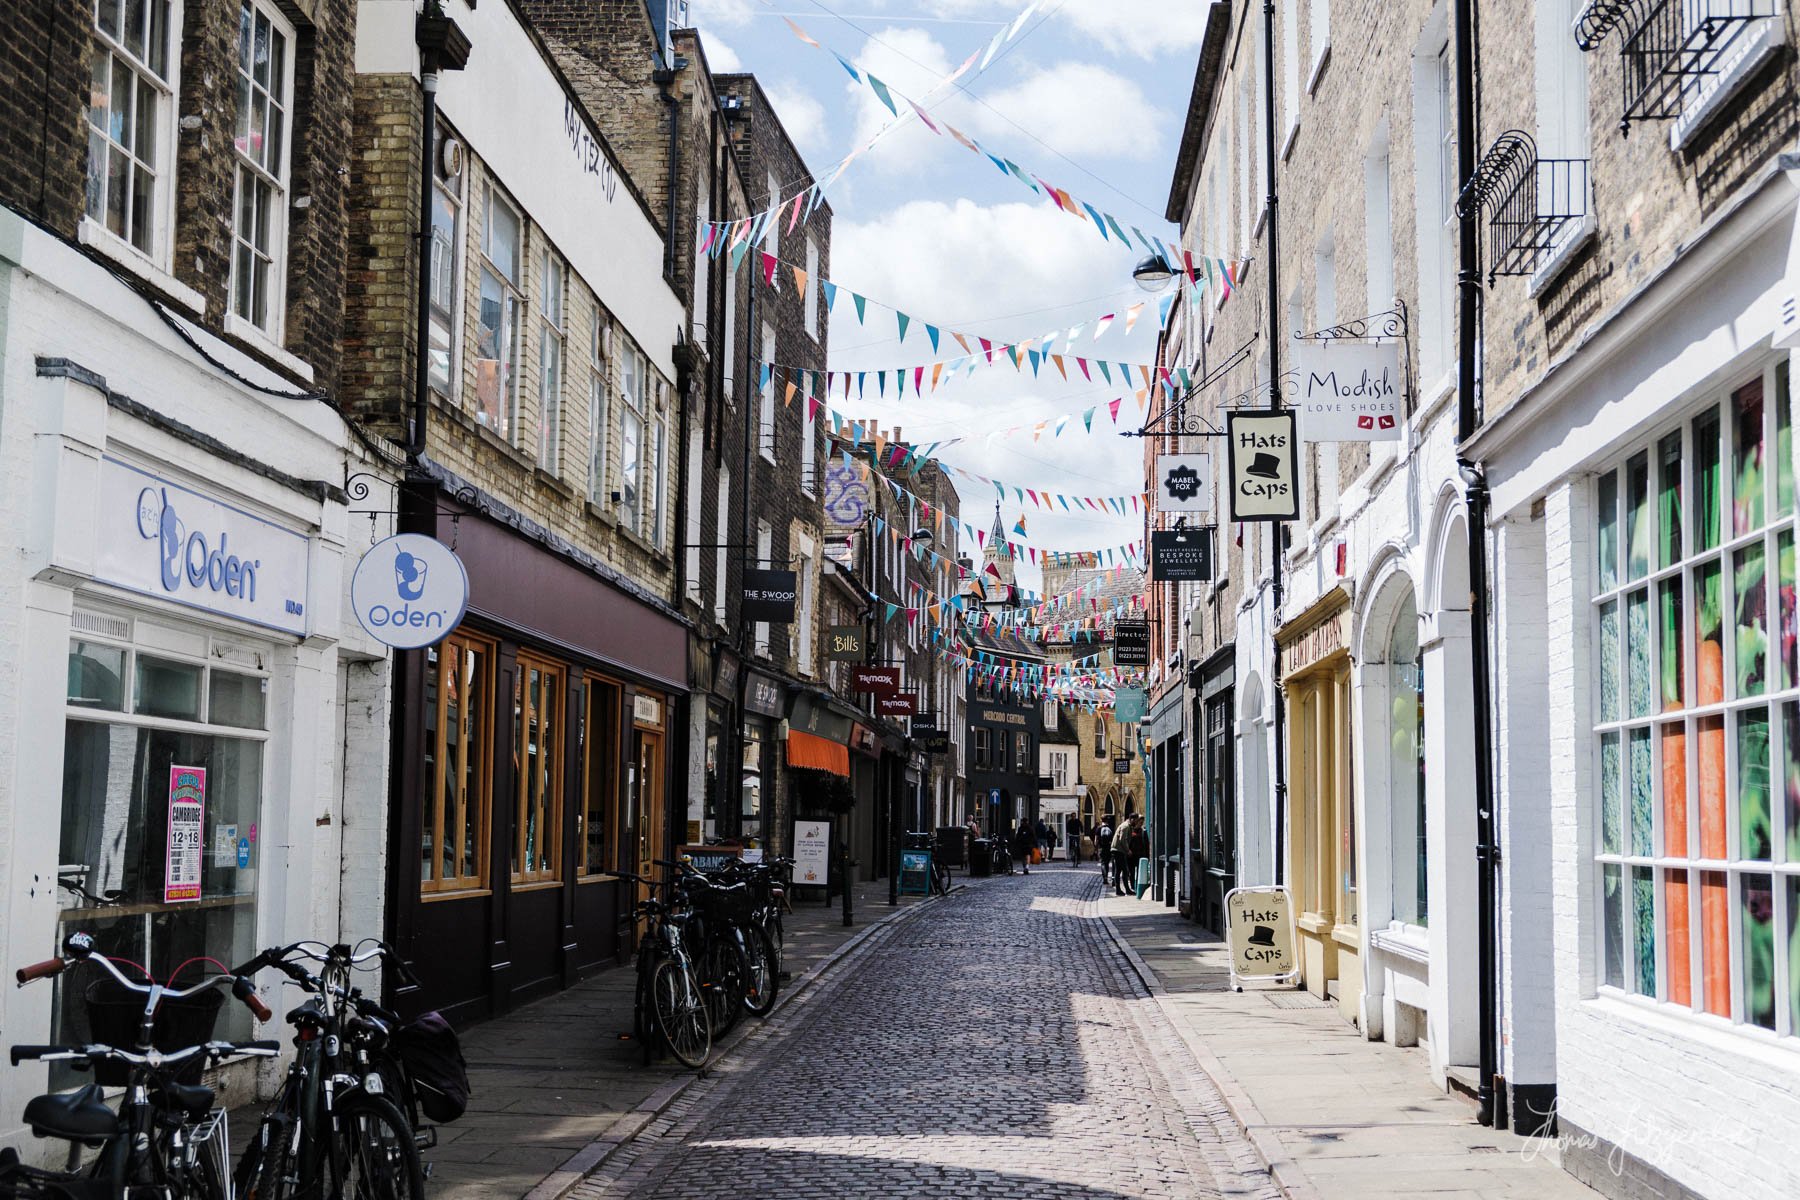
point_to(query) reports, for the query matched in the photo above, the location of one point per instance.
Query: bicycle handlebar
(42, 970)
(156, 1058)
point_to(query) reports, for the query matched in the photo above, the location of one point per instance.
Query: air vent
(1787, 329)
(242, 656)
(100, 625)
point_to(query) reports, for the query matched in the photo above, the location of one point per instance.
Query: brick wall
(381, 276)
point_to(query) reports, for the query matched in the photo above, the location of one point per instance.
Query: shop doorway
(644, 805)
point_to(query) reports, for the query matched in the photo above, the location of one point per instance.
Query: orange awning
(821, 754)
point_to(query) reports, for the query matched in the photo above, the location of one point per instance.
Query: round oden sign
(409, 591)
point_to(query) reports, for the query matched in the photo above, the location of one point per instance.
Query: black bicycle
(717, 938)
(333, 1130)
(166, 1139)
(764, 935)
(670, 1007)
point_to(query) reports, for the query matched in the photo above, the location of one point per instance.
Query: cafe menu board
(812, 853)
(187, 834)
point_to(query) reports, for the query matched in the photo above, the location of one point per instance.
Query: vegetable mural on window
(1697, 719)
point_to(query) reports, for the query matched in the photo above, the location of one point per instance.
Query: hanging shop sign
(845, 643)
(409, 591)
(1181, 555)
(875, 681)
(812, 715)
(1184, 483)
(1129, 705)
(812, 853)
(162, 539)
(769, 595)
(932, 740)
(1131, 643)
(765, 694)
(899, 704)
(1264, 465)
(187, 834)
(1349, 391)
(647, 710)
(726, 665)
(1121, 765)
(1260, 928)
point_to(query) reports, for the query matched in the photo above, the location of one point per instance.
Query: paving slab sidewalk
(1336, 1117)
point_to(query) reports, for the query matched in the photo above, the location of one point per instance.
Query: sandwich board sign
(1259, 924)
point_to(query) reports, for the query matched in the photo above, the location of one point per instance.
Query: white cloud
(801, 115)
(722, 12)
(720, 56)
(1080, 108)
(1141, 28)
(909, 61)
(989, 270)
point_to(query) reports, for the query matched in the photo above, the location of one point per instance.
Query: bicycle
(332, 1130)
(166, 1136)
(764, 935)
(669, 1006)
(716, 931)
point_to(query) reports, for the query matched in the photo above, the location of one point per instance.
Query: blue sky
(1089, 95)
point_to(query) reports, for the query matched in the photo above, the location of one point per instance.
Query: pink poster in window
(187, 827)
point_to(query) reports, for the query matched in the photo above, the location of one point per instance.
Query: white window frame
(512, 336)
(695, 461)
(806, 654)
(633, 367)
(1319, 39)
(728, 370)
(656, 513)
(765, 546)
(1290, 73)
(765, 418)
(273, 176)
(702, 277)
(1436, 226)
(599, 410)
(453, 190)
(1774, 699)
(772, 237)
(722, 534)
(159, 257)
(812, 287)
(552, 358)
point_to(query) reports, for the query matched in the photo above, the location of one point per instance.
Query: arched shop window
(1406, 768)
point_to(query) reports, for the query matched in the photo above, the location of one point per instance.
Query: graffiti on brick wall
(846, 495)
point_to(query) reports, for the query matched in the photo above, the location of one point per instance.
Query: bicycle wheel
(262, 1172)
(764, 974)
(724, 980)
(373, 1155)
(681, 1014)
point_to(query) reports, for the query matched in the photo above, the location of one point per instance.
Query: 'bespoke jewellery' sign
(1184, 483)
(1265, 465)
(409, 591)
(1349, 391)
(769, 595)
(1181, 555)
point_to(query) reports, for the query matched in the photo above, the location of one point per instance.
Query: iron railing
(1671, 49)
(1532, 204)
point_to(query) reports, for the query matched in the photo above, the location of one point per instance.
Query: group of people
(1118, 850)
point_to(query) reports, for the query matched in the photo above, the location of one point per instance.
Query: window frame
(765, 396)
(553, 323)
(433, 810)
(587, 871)
(599, 409)
(1774, 703)
(167, 88)
(550, 827)
(512, 331)
(277, 181)
(633, 366)
(455, 189)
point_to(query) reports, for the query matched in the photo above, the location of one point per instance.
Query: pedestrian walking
(1024, 839)
(1140, 853)
(1046, 839)
(1104, 840)
(1074, 835)
(1125, 857)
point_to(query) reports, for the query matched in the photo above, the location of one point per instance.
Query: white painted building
(192, 728)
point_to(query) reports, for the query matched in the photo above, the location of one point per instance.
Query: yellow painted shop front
(1315, 668)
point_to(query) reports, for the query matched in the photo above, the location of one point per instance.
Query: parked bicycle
(670, 1008)
(765, 935)
(166, 1139)
(342, 1124)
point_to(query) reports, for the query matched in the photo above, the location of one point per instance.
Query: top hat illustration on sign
(1264, 466)
(1262, 935)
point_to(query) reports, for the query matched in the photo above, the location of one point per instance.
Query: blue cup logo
(409, 575)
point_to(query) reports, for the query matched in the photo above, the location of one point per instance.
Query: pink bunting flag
(1082, 363)
(795, 219)
(770, 262)
(1103, 324)
(926, 119)
(1113, 408)
(801, 34)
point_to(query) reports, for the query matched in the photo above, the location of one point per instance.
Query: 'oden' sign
(1349, 391)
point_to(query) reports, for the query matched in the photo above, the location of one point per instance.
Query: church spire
(999, 551)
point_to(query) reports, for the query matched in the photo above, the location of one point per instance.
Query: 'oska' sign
(1265, 461)
(409, 591)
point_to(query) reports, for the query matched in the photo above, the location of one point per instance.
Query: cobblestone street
(993, 1044)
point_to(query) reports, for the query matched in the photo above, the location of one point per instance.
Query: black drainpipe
(442, 47)
(1277, 530)
(1487, 848)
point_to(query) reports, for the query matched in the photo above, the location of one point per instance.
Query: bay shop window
(1697, 729)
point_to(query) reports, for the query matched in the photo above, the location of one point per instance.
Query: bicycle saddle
(193, 1099)
(79, 1116)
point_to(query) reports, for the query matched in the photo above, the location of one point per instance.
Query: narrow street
(993, 1044)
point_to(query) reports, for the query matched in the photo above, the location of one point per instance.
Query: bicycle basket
(434, 1059)
(115, 1014)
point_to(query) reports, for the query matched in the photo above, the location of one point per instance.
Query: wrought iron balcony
(1670, 48)
(1532, 204)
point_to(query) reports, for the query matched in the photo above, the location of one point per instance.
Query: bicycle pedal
(425, 1169)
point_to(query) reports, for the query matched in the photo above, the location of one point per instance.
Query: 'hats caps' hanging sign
(769, 595)
(1265, 465)
(1184, 483)
(1181, 555)
(1131, 643)
(1349, 391)
(409, 591)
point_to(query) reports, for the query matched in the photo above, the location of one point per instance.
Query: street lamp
(1153, 273)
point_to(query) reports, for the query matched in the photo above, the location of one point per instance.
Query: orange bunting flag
(787, 401)
(937, 369)
(1132, 314)
(800, 280)
(801, 33)
(1061, 370)
(961, 341)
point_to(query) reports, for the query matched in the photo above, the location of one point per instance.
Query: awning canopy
(820, 754)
